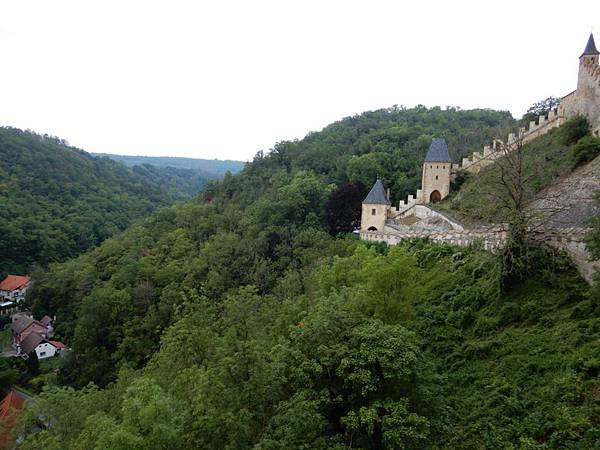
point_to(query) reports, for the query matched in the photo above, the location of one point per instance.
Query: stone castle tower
(437, 168)
(375, 208)
(586, 99)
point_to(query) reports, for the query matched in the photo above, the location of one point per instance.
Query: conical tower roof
(376, 195)
(438, 151)
(590, 48)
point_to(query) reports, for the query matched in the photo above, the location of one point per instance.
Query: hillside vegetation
(208, 168)
(245, 319)
(411, 348)
(57, 201)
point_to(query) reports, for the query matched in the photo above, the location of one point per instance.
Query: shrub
(574, 129)
(586, 149)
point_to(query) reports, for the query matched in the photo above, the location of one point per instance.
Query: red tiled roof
(13, 400)
(58, 344)
(12, 282)
(9, 406)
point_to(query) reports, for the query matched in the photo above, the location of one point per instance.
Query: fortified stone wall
(536, 128)
(493, 238)
(490, 239)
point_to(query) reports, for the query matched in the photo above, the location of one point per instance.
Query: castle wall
(493, 238)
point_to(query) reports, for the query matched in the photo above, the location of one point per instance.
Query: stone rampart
(536, 128)
(492, 238)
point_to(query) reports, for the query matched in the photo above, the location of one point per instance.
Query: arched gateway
(435, 196)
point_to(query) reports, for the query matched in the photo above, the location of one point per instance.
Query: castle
(381, 221)
(438, 169)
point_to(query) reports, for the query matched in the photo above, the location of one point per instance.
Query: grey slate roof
(438, 151)
(376, 195)
(590, 48)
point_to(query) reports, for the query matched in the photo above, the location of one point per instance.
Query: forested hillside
(57, 201)
(208, 168)
(248, 319)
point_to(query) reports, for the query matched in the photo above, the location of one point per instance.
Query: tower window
(443, 167)
(431, 167)
(436, 177)
(373, 212)
(437, 167)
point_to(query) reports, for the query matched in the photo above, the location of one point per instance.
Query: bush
(586, 149)
(574, 129)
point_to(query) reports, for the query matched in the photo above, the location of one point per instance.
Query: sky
(225, 79)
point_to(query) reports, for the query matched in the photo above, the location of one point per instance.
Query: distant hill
(57, 201)
(211, 168)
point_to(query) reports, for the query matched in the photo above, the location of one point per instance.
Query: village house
(30, 335)
(13, 288)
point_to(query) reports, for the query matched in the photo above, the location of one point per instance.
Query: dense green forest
(208, 168)
(250, 318)
(57, 201)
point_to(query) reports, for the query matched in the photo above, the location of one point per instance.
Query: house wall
(45, 350)
(377, 220)
(17, 294)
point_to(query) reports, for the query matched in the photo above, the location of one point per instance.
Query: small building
(24, 326)
(43, 348)
(14, 287)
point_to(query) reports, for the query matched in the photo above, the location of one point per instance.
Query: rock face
(569, 203)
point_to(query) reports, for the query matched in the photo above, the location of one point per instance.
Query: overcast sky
(224, 79)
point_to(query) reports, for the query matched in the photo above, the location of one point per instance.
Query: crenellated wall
(489, 154)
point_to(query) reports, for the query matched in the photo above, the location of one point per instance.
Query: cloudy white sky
(224, 79)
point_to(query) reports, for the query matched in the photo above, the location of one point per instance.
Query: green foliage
(586, 149)
(439, 359)
(57, 201)
(573, 130)
(206, 168)
(541, 108)
(593, 237)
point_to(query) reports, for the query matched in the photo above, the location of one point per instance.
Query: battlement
(410, 202)
(536, 128)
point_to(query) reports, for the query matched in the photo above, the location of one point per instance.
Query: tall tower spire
(590, 48)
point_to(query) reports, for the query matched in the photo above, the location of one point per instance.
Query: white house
(43, 348)
(13, 287)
